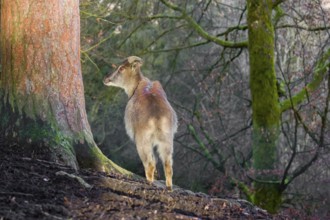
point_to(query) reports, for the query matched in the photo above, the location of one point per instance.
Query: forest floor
(33, 188)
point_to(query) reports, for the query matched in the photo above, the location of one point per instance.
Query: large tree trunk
(265, 104)
(41, 89)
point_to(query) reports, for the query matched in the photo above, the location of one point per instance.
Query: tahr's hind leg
(150, 170)
(168, 173)
(146, 154)
(165, 153)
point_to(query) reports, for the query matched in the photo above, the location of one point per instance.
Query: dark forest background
(208, 85)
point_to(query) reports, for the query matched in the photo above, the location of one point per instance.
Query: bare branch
(320, 142)
(293, 155)
(277, 2)
(321, 68)
(178, 48)
(303, 28)
(98, 44)
(201, 31)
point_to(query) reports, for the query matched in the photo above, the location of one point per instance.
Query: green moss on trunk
(89, 155)
(265, 105)
(35, 136)
(44, 138)
(267, 196)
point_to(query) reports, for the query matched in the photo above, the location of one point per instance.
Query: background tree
(41, 88)
(265, 104)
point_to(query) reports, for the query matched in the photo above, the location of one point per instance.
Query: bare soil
(33, 188)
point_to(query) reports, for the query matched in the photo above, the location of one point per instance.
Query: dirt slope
(38, 189)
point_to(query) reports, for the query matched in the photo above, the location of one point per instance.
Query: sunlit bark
(41, 88)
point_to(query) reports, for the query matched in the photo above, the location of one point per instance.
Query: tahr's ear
(135, 62)
(133, 59)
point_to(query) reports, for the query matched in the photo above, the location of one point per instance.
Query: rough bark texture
(265, 105)
(41, 83)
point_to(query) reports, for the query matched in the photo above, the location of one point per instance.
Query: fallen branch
(79, 179)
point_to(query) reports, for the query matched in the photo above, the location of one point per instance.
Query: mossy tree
(265, 105)
(42, 95)
(269, 182)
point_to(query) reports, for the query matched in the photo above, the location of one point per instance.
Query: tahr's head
(126, 72)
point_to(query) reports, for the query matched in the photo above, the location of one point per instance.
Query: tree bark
(41, 88)
(265, 104)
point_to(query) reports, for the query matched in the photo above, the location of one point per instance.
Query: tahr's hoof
(169, 188)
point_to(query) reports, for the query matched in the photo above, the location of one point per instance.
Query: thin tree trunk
(41, 88)
(265, 104)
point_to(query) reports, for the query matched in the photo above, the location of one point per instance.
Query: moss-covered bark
(41, 88)
(265, 105)
(35, 136)
(267, 196)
